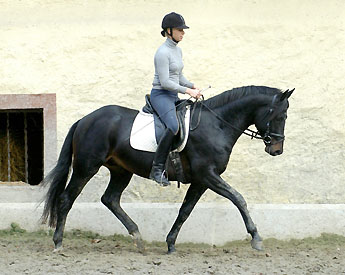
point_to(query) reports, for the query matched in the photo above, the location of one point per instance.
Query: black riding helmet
(173, 20)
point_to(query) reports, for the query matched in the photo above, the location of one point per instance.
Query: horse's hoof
(171, 249)
(258, 245)
(138, 242)
(58, 248)
(140, 245)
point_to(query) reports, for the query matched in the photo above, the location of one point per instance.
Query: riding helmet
(173, 20)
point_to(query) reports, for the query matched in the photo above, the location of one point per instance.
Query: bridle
(267, 137)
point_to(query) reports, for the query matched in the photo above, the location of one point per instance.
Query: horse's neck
(241, 114)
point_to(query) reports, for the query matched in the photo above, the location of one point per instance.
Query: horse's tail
(58, 179)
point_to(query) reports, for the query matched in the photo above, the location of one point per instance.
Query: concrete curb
(209, 223)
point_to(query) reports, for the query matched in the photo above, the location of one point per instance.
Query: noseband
(267, 137)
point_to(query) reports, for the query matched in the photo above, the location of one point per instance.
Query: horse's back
(104, 126)
(108, 114)
(111, 111)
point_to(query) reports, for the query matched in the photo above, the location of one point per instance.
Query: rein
(267, 138)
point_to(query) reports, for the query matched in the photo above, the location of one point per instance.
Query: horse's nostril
(278, 152)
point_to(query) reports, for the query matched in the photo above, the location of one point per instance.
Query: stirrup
(164, 180)
(161, 180)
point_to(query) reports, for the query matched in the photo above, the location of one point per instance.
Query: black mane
(238, 93)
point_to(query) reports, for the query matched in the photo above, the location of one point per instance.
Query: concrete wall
(96, 53)
(211, 223)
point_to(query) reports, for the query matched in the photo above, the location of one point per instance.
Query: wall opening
(21, 146)
(27, 137)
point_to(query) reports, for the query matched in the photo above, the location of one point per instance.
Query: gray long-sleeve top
(168, 69)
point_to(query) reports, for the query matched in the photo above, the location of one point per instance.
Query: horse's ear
(290, 93)
(286, 94)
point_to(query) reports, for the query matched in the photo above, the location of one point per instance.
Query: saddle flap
(143, 132)
(181, 108)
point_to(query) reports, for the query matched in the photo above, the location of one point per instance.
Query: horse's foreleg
(218, 185)
(194, 193)
(111, 199)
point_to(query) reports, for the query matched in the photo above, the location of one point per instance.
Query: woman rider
(167, 83)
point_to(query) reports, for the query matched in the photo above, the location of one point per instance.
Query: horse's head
(271, 123)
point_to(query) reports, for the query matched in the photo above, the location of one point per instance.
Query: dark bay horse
(102, 139)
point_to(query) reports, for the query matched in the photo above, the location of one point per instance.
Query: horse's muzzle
(274, 149)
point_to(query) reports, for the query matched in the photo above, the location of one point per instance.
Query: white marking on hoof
(58, 249)
(138, 242)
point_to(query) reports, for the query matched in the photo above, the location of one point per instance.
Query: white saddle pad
(143, 132)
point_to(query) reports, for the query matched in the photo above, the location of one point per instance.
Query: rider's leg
(164, 104)
(161, 155)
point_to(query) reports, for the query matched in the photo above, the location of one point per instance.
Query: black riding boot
(161, 155)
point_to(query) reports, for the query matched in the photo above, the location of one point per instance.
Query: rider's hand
(193, 92)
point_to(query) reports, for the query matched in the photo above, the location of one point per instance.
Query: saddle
(181, 109)
(174, 157)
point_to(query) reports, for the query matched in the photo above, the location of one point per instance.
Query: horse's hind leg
(119, 180)
(66, 200)
(194, 193)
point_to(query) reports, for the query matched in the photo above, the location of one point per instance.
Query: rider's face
(178, 34)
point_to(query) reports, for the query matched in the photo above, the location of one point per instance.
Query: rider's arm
(182, 79)
(185, 82)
